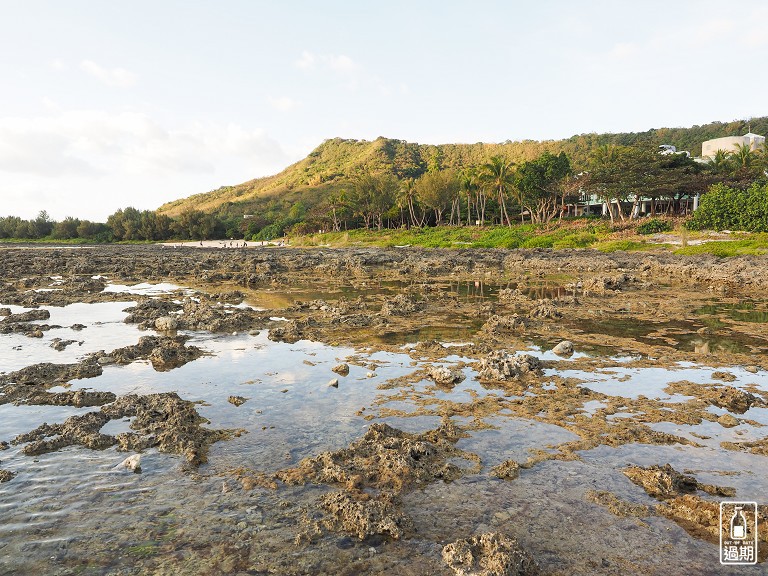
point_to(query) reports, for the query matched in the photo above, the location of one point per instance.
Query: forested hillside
(328, 168)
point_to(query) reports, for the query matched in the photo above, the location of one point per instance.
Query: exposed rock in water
(341, 369)
(727, 397)
(58, 344)
(132, 463)
(163, 420)
(167, 422)
(489, 554)
(164, 352)
(47, 373)
(497, 324)
(384, 458)
(237, 400)
(444, 376)
(501, 365)
(402, 305)
(28, 316)
(512, 296)
(82, 430)
(545, 309)
(365, 516)
(604, 284)
(76, 398)
(291, 332)
(663, 482)
(759, 447)
(166, 324)
(507, 470)
(728, 421)
(6, 475)
(564, 348)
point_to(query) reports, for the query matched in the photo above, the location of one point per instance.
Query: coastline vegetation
(609, 197)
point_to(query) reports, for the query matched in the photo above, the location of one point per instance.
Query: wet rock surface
(489, 554)
(651, 310)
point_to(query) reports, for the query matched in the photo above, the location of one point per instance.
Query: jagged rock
(402, 305)
(489, 554)
(512, 295)
(166, 324)
(28, 316)
(664, 482)
(545, 309)
(365, 516)
(496, 324)
(341, 369)
(6, 475)
(58, 344)
(728, 421)
(444, 376)
(508, 470)
(500, 365)
(385, 458)
(603, 284)
(237, 400)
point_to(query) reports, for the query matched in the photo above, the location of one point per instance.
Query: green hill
(327, 168)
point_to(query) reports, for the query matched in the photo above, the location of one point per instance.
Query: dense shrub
(725, 208)
(654, 226)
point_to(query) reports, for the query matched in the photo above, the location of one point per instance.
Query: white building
(730, 143)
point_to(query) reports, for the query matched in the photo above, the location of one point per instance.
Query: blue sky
(106, 104)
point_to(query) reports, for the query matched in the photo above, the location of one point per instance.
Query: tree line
(497, 191)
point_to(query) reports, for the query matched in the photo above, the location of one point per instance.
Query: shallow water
(72, 512)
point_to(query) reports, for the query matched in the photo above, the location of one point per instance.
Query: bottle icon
(738, 525)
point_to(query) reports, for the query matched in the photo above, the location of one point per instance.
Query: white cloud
(284, 103)
(307, 60)
(115, 77)
(87, 163)
(340, 63)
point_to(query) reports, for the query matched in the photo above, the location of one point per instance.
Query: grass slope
(327, 168)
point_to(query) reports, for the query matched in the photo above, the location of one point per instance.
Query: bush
(654, 226)
(725, 208)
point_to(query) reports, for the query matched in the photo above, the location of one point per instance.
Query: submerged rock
(365, 516)
(489, 554)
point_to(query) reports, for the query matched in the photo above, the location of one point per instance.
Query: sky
(106, 104)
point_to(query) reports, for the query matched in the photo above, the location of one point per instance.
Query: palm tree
(497, 174)
(721, 161)
(406, 196)
(468, 183)
(744, 156)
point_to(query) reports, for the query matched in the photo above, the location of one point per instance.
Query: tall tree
(497, 174)
(438, 190)
(541, 183)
